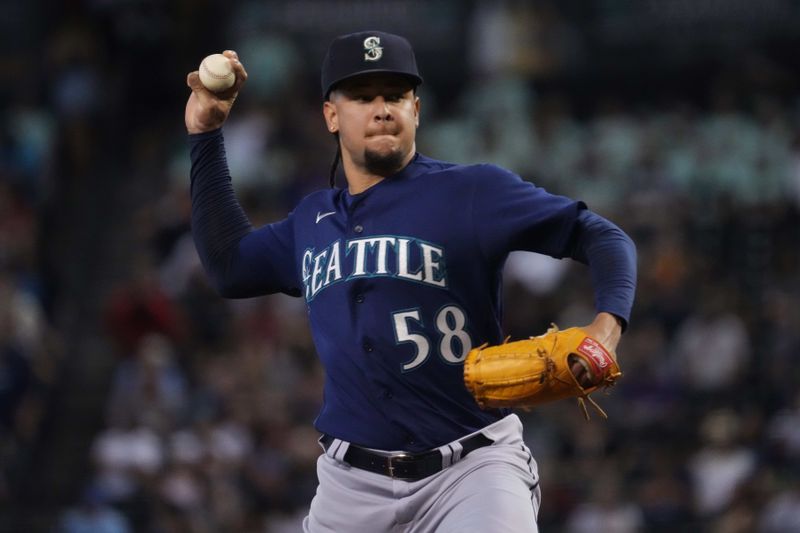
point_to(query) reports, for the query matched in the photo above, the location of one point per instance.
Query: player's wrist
(608, 320)
(197, 130)
(203, 135)
(606, 328)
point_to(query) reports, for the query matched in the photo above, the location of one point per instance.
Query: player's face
(376, 116)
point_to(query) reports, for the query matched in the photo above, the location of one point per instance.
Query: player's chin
(384, 160)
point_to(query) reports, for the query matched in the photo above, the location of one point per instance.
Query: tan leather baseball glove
(531, 372)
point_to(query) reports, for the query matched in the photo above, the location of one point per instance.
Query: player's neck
(359, 180)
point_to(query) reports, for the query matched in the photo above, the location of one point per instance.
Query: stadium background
(133, 396)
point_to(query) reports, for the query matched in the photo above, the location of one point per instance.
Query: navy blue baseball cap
(366, 52)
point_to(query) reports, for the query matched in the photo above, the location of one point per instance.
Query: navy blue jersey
(400, 282)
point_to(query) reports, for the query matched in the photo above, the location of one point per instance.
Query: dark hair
(335, 164)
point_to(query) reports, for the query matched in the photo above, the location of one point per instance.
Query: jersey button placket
(358, 228)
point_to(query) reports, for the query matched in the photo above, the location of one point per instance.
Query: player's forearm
(611, 256)
(218, 221)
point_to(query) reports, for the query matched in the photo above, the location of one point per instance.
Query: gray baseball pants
(494, 489)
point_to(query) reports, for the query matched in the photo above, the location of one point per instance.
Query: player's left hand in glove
(541, 369)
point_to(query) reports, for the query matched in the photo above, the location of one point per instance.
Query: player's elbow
(226, 289)
(628, 244)
(224, 275)
(235, 284)
(625, 247)
(229, 287)
(220, 277)
(630, 259)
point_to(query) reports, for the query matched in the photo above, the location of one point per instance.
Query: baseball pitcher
(400, 271)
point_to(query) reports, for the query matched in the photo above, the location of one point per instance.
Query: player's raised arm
(239, 261)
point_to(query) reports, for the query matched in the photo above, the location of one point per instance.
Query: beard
(383, 164)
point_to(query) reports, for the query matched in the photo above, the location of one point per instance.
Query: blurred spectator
(718, 468)
(141, 307)
(149, 388)
(712, 346)
(28, 358)
(93, 515)
(782, 512)
(125, 456)
(664, 496)
(783, 432)
(15, 364)
(740, 518)
(606, 511)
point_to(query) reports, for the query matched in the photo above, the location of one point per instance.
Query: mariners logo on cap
(372, 49)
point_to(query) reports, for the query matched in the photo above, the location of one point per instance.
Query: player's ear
(416, 110)
(331, 117)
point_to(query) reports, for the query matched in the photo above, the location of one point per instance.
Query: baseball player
(401, 273)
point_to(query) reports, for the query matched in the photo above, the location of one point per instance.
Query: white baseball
(216, 73)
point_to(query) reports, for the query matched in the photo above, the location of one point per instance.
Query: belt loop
(447, 455)
(336, 449)
(340, 450)
(457, 449)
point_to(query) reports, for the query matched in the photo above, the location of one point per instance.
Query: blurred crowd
(210, 405)
(29, 347)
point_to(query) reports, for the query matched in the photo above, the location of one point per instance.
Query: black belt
(401, 465)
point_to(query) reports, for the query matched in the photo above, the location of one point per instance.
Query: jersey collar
(410, 170)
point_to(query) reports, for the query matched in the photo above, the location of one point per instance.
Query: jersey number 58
(454, 342)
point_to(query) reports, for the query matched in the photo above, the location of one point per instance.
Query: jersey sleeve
(611, 256)
(241, 262)
(511, 214)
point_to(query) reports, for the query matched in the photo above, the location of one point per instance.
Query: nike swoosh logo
(321, 215)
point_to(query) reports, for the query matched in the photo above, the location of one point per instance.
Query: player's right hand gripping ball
(531, 372)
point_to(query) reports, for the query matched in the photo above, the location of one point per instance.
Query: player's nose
(382, 110)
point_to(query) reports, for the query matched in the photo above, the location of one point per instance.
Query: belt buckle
(390, 461)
